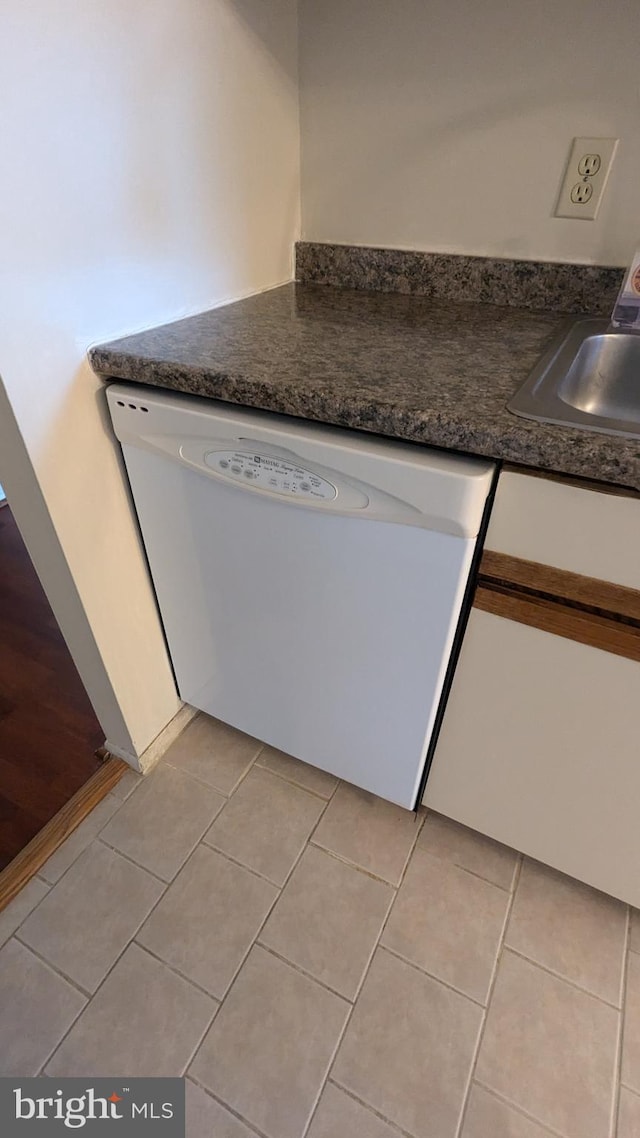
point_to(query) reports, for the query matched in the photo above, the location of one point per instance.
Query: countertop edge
(418, 426)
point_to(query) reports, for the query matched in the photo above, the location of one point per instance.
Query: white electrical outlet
(586, 176)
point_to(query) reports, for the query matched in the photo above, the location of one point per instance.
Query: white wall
(446, 124)
(150, 170)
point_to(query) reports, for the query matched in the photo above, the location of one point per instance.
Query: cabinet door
(555, 523)
(540, 749)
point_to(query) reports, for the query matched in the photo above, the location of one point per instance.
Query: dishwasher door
(303, 604)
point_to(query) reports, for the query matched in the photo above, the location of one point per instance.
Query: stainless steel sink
(589, 378)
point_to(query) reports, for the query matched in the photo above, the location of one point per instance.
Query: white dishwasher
(310, 580)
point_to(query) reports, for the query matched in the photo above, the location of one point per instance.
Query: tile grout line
(91, 995)
(120, 954)
(145, 778)
(299, 785)
(303, 972)
(106, 977)
(255, 872)
(636, 1094)
(396, 890)
(463, 869)
(298, 968)
(27, 915)
(561, 977)
(431, 975)
(245, 774)
(254, 941)
(54, 968)
(52, 884)
(485, 1015)
(227, 794)
(95, 838)
(630, 1090)
(471, 872)
(189, 1060)
(242, 865)
(163, 762)
(372, 1109)
(236, 862)
(617, 1083)
(172, 968)
(231, 1110)
(188, 855)
(353, 865)
(329, 1076)
(252, 765)
(132, 861)
(131, 941)
(518, 1109)
(253, 944)
(518, 856)
(41, 1069)
(504, 947)
(329, 1068)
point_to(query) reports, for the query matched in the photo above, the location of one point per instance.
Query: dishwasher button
(236, 470)
(305, 486)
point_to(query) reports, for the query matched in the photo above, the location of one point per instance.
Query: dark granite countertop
(428, 371)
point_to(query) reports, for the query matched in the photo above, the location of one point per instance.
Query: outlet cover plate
(605, 148)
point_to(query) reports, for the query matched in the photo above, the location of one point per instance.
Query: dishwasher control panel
(265, 472)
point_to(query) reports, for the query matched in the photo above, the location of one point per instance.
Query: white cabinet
(540, 743)
(587, 531)
(540, 749)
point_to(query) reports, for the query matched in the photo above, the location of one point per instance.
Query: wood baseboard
(27, 863)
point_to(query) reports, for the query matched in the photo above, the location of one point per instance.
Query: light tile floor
(318, 962)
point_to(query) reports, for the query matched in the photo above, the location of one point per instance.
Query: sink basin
(589, 378)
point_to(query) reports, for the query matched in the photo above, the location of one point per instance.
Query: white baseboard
(147, 760)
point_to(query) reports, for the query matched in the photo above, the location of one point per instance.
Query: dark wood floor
(48, 730)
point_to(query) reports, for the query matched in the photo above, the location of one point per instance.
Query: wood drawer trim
(616, 602)
(596, 630)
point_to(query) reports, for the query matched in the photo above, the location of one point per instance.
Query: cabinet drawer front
(585, 531)
(539, 749)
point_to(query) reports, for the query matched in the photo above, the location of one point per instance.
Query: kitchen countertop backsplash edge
(429, 369)
(549, 286)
